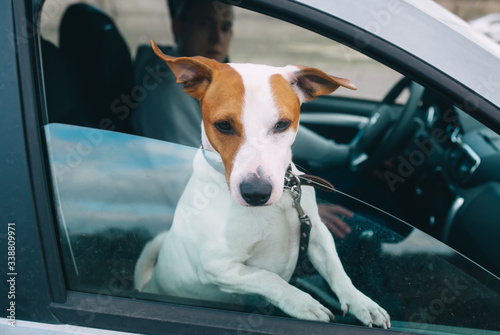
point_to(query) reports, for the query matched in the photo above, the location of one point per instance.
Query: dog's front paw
(303, 306)
(365, 309)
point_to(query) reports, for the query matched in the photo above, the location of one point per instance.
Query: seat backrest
(100, 62)
(65, 102)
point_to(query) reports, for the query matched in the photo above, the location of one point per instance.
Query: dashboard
(453, 192)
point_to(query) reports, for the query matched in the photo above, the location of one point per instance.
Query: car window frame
(61, 305)
(32, 211)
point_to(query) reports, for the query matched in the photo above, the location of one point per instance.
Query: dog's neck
(213, 158)
(205, 142)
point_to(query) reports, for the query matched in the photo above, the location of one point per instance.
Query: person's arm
(317, 150)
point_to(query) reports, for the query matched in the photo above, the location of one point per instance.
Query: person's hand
(330, 214)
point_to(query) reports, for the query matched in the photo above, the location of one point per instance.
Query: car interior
(415, 156)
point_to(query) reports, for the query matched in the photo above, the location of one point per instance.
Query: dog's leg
(147, 260)
(238, 278)
(325, 259)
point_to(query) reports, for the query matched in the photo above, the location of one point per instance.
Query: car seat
(100, 62)
(65, 103)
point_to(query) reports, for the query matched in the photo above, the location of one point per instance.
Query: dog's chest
(271, 237)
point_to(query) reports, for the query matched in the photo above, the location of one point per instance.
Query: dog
(242, 236)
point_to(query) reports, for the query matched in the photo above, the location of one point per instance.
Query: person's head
(202, 27)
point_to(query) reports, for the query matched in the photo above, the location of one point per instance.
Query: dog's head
(250, 117)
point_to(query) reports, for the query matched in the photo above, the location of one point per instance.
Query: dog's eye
(281, 126)
(224, 127)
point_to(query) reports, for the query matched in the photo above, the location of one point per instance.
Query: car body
(81, 197)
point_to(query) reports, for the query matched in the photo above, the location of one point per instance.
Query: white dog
(245, 239)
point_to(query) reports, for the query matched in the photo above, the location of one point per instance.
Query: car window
(253, 33)
(395, 215)
(295, 45)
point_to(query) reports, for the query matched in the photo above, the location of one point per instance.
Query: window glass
(115, 192)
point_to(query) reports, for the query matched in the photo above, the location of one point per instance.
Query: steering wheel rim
(381, 135)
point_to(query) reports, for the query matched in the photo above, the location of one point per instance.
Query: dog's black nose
(255, 191)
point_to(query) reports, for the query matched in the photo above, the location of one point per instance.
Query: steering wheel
(387, 125)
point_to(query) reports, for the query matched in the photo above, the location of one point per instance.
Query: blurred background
(471, 9)
(132, 16)
(264, 40)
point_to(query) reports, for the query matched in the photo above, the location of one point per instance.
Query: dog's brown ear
(309, 83)
(194, 73)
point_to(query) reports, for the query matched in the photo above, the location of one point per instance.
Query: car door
(85, 199)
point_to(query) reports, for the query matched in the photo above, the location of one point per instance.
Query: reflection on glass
(114, 192)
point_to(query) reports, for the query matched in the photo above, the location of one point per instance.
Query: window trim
(142, 316)
(42, 235)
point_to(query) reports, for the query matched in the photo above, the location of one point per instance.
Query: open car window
(433, 180)
(296, 45)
